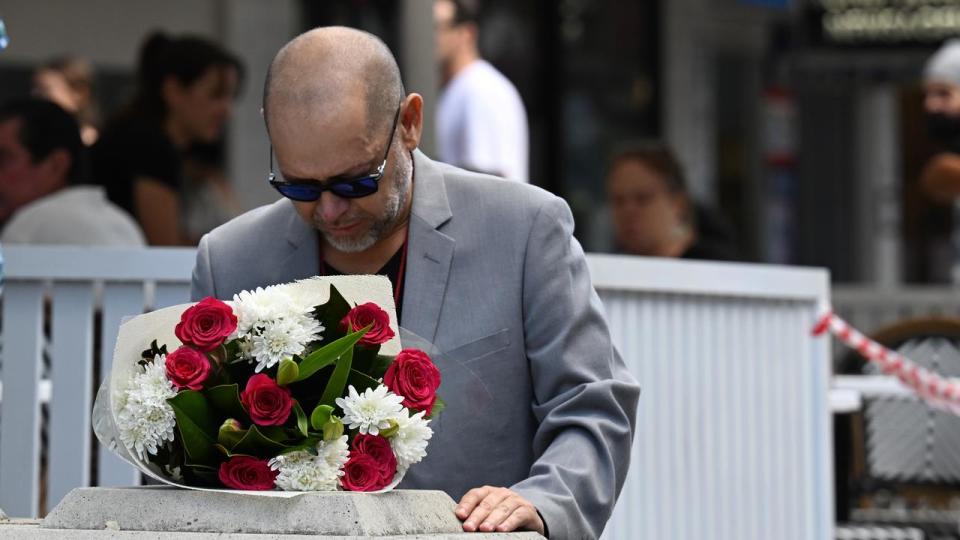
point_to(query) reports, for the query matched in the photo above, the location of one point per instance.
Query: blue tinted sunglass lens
(355, 188)
(300, 192)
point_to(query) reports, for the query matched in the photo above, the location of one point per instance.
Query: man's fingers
(489, 509)
(483, 508)
(471, 500)
(524, 517)
(502, 511)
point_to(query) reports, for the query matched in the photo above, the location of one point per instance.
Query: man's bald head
(324, 67)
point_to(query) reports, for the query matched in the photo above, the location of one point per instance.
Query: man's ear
(411, 121)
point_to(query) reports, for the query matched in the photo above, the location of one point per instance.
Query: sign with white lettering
(862, 22)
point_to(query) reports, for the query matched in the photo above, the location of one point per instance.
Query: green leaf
(361, 381)
(196, 425)
(338, 381)
(328, 354)
(231, 352)
(207, 474)
(301, 418)
(276, 433)
(255, 443)
(287, 372)
(226, 399)
(438, 406)
(309, 445)
(320, 416)
(364, 358)
(333, 429)
(230, 437)
(331, 313)
(379, 367)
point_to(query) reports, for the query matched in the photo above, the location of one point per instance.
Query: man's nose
(330, 207)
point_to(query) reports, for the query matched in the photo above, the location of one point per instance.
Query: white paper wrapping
(137, 333)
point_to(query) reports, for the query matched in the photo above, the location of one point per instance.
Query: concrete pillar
(687, 90)
(877, 203)
(254, 30)
(418, 64)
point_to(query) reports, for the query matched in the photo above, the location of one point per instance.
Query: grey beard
(391, 214)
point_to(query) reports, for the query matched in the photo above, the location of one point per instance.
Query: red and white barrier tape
(931, 387)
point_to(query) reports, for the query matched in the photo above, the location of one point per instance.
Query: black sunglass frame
(347, 188)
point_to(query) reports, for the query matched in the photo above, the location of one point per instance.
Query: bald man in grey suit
(540, 408)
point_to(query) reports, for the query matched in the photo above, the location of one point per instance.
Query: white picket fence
(73, 292)
(734, 438)
(733, 434)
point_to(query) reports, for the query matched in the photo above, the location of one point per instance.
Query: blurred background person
(44, 198)
(69, 82)
(206, 195)
(652, 212)
(186, 88)
(481, 120)
(940, 179)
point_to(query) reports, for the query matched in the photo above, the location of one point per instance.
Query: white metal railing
(79, 295)
(734, 437)
(869, 308)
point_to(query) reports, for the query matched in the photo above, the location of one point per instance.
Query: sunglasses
(347, 188)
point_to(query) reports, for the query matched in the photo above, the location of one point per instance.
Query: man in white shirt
(481, 122)
(41, 198)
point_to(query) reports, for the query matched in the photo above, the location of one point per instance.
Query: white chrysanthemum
(301, 471)
(371, 411)
(256, 308)
(282, 338)
(146, 420)
(410, 442)
(273, 325)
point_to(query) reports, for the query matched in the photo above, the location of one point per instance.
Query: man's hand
(489, 509)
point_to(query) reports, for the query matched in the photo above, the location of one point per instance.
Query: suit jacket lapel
(429, 252)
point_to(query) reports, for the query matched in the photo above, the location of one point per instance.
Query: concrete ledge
(31, 530)
(334, 514)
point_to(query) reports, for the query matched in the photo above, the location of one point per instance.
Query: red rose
(246, 472)
(364, 315)
(267, 403)
(206, 325)
(414, 376)
(379, 449)
(362, 473)
(187, 368)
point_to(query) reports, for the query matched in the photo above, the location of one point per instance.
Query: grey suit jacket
(537, 397)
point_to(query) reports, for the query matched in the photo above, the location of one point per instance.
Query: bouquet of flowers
(275, 390)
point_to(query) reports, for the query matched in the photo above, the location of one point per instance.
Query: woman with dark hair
(185, 92)
(654, 215)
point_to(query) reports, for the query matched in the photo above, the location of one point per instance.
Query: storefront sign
(889, 21)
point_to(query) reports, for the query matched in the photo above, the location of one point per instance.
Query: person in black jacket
(654, 215)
